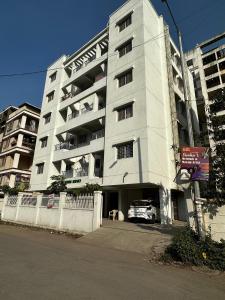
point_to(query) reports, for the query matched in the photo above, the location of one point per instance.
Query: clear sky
(34, 33)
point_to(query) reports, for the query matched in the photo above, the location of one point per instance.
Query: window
(190, 62)
(44, 142)
(124, 23)
(125, 78)
(47, 118)
(50, 96)
(40, 168)
(221, 53)
(125, 150)
(125, 48)
(53, 77)
(125, 112)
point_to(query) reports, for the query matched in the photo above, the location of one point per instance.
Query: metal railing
(84, 64)
(68, 146)
(98, 134)
(28, 200)
(12, 200)
(73, 115)
(50, 201)
(75, 173)
(80, 202)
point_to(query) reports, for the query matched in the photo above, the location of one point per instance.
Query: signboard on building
(195, 160)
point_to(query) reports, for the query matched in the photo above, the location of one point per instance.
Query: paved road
(39, 265)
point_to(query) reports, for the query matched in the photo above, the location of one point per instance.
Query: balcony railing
(84, 64)
(75, 173)
(28, 145)
(68, 146)
(31, 128)
(74, 114)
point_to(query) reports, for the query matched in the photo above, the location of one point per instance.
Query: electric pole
(189, 122)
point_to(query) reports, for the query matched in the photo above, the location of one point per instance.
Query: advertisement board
(195, 160)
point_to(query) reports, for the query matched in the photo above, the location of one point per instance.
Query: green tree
(58, 184)
(215, 188)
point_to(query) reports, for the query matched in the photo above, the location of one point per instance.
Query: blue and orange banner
(196, 161)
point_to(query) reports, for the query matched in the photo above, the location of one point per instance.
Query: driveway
(39, 265)
(144, 238)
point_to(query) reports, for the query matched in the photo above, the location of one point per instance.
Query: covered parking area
(171, 204)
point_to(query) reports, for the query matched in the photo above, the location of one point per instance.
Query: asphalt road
(39, 265)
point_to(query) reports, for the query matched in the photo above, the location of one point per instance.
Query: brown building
(17, 142)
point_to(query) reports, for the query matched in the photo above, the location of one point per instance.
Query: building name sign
(73, 181)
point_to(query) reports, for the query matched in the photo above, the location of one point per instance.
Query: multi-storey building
(113, 113)
(18, 143)
(3, 118)
(207, 65)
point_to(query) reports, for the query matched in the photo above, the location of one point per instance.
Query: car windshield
(141, 203)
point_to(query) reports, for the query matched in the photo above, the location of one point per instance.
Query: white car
(143, 209)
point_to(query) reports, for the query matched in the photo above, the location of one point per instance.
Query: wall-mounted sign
(195, 160)
(73, 181)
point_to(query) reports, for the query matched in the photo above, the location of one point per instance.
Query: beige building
(207, 65)
(18, 138)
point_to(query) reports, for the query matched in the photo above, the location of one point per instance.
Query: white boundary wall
(62, 217)
(215, 223)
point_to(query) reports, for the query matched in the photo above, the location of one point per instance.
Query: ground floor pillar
(12, 180)
(120, 208)
(165, 205)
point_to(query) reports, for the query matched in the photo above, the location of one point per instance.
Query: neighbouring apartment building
(113, 113)
(18, 137)
(207, 65)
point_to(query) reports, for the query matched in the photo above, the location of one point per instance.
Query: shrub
(187, 248)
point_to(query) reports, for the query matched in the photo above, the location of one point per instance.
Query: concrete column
(69, 112)
(12, 180)
(199, 216)
(165, 205)
(95, 103)
(4, 205)
(189, 197)
(16, 160)
(20, 140)
(63, 166)
(120, 204)
(91, 165)
(106, 200)
(97, 217)
(23, 121)
(62, 202)
(38, 204)
(18, 204)
(98, 51)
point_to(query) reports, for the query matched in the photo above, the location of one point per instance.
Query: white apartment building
(113, 113)
(207, 65)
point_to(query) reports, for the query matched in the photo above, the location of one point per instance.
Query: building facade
(207, 65)
(113, 114)
(17, 144)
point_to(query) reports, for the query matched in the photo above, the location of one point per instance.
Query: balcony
(67, 150)
(68, 146)
(75, 173)
(76, 113)
(84, 64)
(76, 96)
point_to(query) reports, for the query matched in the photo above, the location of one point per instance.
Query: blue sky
(33, 33)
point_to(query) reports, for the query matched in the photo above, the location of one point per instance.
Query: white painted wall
(59, 218)
(215, 223)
